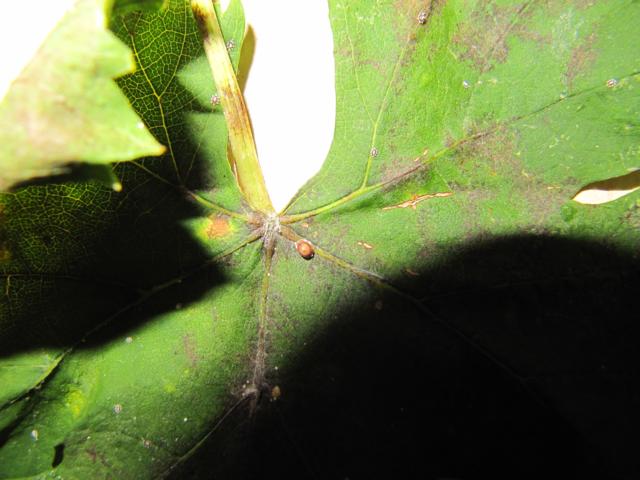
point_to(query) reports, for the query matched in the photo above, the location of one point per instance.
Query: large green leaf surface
(461, 314)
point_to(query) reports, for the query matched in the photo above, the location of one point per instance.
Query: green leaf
(64, 107)
(462, 315)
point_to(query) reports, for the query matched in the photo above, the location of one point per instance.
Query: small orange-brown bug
(305, 249)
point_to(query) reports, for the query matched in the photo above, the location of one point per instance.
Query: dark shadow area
(58, 455)
(73, 172)
(106, 251)
(101, 249)
(389, 392)
(77, 256)
(137, 242)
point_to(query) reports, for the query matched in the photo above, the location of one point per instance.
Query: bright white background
(289, 91)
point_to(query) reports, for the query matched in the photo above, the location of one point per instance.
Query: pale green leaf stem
(241, 142)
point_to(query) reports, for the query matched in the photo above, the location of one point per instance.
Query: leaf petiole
(242, 146)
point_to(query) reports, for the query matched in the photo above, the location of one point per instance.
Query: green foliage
(64, 107)
(453, 276)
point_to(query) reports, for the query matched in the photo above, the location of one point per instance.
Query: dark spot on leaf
(189, 344)
(582, 58)
(483, 37)
(95, 455)
(201, 19)
(58, 455)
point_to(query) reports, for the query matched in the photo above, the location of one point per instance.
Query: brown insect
(305, 249)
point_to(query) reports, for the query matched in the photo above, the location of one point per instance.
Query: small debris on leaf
(421, 156)
(413, 202)
(365, 245)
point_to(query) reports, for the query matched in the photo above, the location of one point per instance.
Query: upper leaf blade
(65, 107)
(410, 92)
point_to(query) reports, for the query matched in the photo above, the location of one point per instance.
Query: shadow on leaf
(392, 393)
(130, 242)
